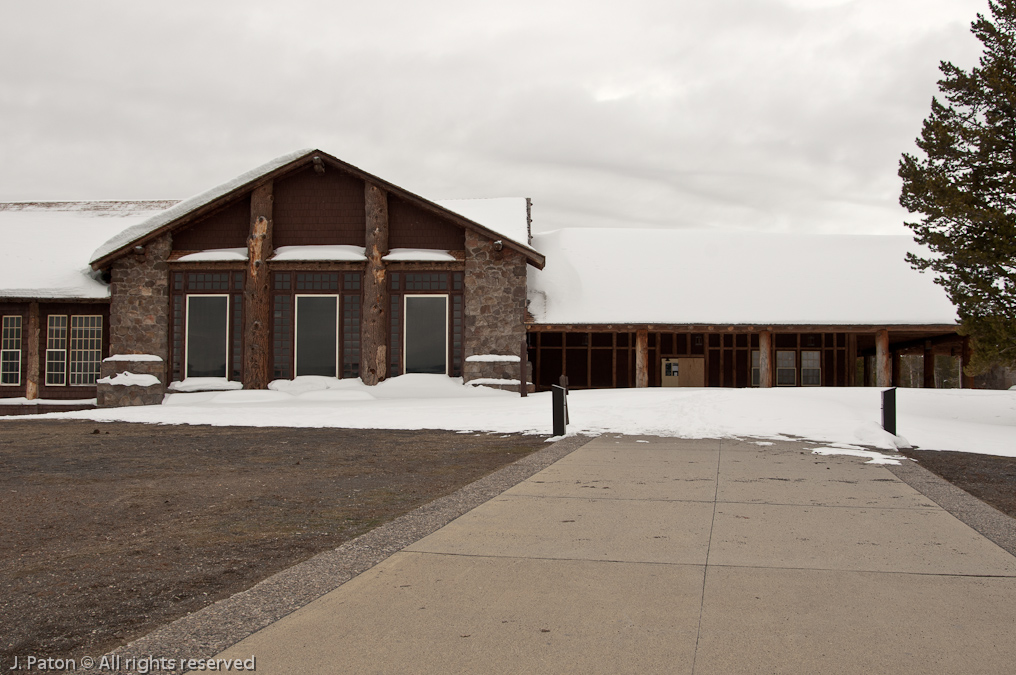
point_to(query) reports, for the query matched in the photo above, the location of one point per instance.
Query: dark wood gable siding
(315, 209)
(226, 228)
(411, 227)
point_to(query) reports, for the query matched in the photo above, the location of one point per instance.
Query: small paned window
(282, 281)
(351, 281)
(10, 351)
(351, 335)
(86, 349)
(811, 369)
(456, 335)
(197, 281)
(178, 282)
(177, 337)
(756, 369)
(395, 281)
(282, 323)
(427, 282)
(56, 350)
(786, 368)
(237, 335)
(396, 345)
(317, 281)
(237, 281)
(457, 281)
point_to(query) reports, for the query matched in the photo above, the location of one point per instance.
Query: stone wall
(114, 396)
(495, 302)
(139, 307)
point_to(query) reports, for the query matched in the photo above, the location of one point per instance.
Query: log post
(765, 355)
(883, 360)
(257, 295)
(31, 340)
(966, 381)
(642, 358)
(929, 366)
(852, 362)
(374, 321)
(524, 370)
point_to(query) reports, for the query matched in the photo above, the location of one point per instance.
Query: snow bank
(493, 358)
(128, 379)
(596, 275)
(133, 357)
(843, 418)
(204, 384)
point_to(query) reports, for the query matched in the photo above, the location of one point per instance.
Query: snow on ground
(842, 418)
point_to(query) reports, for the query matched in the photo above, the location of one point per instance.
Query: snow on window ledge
(333, 253)
(133, 357)
(418, 255)
(492, 358)
(215, 255)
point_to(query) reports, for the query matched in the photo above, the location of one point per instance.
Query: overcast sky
(780, 115)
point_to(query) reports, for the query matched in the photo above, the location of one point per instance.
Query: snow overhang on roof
(43, 241)
(197, 205)
(656, 276)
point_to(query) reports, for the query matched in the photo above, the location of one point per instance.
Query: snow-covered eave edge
(198, 205)
(719, 327)
(101, 296)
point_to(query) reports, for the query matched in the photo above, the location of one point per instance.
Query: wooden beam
(765, 355)
(883, 361)
(257, 295)
(31, 340)
(642, 358)
(374, 318)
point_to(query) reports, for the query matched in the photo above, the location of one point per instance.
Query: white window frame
(296, 329)
(186, 334)
(756, 368)
(53, 351)
(405, 333)
(782, 369)
(5, 326)
(818, 370)
(71, 351)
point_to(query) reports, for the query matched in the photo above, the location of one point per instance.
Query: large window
(786, 368)
(56, 350)
(86, 349)
(207, 335)
(10, 351)
(317, 335)
(756, 368)
(426, 334)
(811, 369)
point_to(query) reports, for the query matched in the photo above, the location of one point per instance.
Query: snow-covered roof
(44, 254)
(186, 206)
(601, 276)
(507, 216)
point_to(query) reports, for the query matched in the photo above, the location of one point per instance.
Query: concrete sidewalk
(674, 556)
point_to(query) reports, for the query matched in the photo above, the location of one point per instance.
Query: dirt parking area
(990, 478)
(110, 530)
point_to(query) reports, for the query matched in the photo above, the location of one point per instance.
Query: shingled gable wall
(495, 301)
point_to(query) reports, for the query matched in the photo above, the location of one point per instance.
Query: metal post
(560, 409)
(889, 410)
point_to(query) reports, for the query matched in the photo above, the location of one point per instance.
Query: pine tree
(965, 187)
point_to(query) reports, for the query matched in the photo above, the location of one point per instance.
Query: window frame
(447, 328)
(338, 330)
(187, 327)
(4, 328)
(63, 360)
(818, 358)
(780, 369)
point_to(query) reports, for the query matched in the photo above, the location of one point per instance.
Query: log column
(642, 358)
(374, 322)
(966, 381)
(257, 295)
(31, 339)
(765, 354)
(929, 366)
(883, 361)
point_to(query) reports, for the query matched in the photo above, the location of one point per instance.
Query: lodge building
(310, 266)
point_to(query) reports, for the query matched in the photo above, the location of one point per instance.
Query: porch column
(765, 353)
(642, 358)
(883, 362)
(966, 381)
(929, 366)
(374, 317)
(257, 293)
(31, 339)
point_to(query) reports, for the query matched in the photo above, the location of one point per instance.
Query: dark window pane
(316, 335)
(426, 334)
(206, 336)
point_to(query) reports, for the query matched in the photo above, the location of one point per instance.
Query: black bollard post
(560, 408)
(889, 410)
